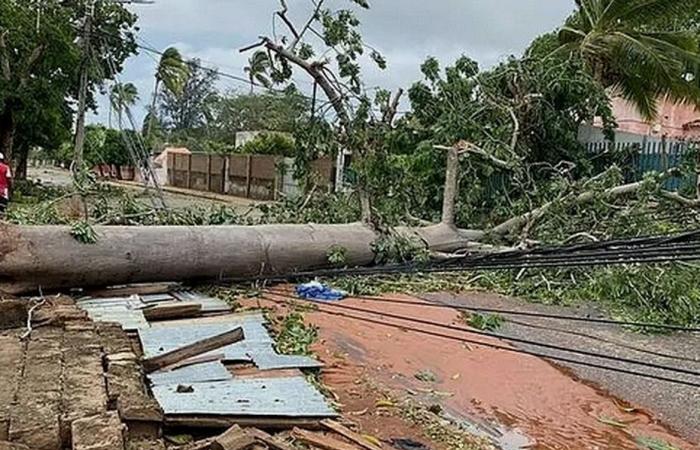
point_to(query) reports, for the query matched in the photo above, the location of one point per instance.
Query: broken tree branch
(467, 147)
(676, 197)
(307, 26)
(314, 69)
(282, 14)
(392, 108)
(516, 223)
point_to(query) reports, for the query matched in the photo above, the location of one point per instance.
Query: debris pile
(155, 371)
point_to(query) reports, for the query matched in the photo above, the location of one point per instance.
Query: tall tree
(636, 48)
(192, 106)
(122, 96)
(274, 111)
(39, 62)
(172, 73)
(306, 47)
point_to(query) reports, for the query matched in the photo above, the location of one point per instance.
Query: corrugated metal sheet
(198, 373)
(269, 397)
(126, 311)
(257, 348)
(209, 304)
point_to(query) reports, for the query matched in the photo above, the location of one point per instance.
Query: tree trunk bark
(8, 128)
(449, 200)
(22, 158)
(48, 257)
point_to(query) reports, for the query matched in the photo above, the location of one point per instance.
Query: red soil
(523, 393)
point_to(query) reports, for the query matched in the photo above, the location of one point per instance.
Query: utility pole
(82, 94)
(84, 78)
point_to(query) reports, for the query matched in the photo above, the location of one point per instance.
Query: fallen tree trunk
(48, 257)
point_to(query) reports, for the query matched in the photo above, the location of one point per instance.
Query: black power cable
(502, 347)
(507, 312)
(496, 336)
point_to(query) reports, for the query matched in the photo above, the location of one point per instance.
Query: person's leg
(3, 205)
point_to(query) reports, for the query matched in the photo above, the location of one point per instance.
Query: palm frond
(640, 12)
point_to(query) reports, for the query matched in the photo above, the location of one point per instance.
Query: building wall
(678, 121)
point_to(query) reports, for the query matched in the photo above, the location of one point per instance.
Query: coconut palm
(629, 47)
(172, 73)
(258, 65)
(122, 96)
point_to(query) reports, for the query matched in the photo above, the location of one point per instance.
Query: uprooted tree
(492, 121)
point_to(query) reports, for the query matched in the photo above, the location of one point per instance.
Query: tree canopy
(636, 48)
(39, 62)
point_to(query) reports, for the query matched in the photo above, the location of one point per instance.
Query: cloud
(405, 31)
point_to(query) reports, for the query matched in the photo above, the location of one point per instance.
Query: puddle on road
(521, 402)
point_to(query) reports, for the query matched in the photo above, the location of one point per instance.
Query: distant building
(674, 121)
(160, 162)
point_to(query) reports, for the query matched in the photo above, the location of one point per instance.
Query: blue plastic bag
(319, 291)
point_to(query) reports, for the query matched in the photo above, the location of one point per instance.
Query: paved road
(675, 405)
(60, 177)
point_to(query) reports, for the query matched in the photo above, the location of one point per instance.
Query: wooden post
(224, 172)
(249, 172)
(209, 173)
(189, 171)
(664, 154)
(227, 174)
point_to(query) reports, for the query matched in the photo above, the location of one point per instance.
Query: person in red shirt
(5, 184)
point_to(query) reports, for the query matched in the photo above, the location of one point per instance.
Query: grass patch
(295, 337)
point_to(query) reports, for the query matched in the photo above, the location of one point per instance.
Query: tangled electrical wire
(418, 325)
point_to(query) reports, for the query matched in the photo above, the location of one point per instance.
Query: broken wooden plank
(349, 434)
(101, 432)
(225, 422)
(270, 441)
(319, 440)
(189, 351)
(237, 438)
(172, 310)
(234, 438)
(134, 289)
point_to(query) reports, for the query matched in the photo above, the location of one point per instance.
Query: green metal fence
(638, 158)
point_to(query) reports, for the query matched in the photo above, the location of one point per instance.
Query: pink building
(675, 121)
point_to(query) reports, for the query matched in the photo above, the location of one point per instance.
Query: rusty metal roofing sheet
(269, 397)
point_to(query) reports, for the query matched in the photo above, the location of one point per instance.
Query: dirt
(518, 400)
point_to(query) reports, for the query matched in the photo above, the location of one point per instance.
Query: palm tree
(172, 73)
(122, 96)
(628, 47)
(258, 65)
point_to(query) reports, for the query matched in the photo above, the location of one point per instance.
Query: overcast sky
(405, 31)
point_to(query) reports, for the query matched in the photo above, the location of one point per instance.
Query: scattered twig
(31, 314)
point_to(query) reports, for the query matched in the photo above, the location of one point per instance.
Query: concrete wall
(676, 121)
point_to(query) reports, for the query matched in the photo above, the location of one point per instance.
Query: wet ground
(519, 401)
(675, 405)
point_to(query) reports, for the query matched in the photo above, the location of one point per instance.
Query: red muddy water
(519, 395)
